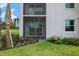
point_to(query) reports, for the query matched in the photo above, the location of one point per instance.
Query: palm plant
(9, 42)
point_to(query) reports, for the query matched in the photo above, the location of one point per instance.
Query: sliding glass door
(35, 28)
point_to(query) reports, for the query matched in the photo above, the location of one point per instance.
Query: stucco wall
(56, 26)
(49, 15)
(56, 13)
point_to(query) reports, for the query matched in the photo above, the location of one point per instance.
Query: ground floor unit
(43, 20)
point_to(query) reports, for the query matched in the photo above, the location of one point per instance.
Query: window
(69, 25)
(35, 9)
(35, 25)
(69, 5)
(39, 10)
(31, 10)
(35, 28)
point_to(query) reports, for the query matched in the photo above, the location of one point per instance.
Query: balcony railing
(34, 9)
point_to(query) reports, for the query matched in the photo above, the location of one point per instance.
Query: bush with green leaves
(15, 37)
(12, 26)
(71, 41)
(66, 41)
(55, 39)
(17, 41)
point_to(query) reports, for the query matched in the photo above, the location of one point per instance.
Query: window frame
(35, 8)
(68, 5)
(36, 21)
(69, 25)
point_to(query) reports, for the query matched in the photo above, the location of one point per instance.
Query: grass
(14, 31)
(42, 48)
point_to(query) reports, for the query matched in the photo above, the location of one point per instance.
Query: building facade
(43, 20)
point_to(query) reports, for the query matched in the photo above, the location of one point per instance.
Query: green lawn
(42, 48)
(15, 31)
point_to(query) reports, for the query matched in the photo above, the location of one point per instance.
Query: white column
(21, 21)
(48, 20)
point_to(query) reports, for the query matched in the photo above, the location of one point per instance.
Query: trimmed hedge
(71, 41)
(66, 41)
(56, 40)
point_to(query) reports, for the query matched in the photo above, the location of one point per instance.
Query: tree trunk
(0, 20)
(9, 42)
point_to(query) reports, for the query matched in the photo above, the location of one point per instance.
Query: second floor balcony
(34, 9)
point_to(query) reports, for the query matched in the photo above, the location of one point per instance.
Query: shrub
(55, 39)
(3, 41)
(66, 41)
(71, 41)
(17, 41)
(12, 26)
(15, 37)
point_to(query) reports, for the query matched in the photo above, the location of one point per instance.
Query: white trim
(34, 15)
(73, 25)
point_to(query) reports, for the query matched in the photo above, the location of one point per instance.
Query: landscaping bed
(17, 41)
(42, 48)
(64, 40)
(24, 41)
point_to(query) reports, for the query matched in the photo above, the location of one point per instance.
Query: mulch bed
(19, 44)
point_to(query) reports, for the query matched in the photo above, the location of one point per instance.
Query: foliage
(19, 41)
(42, 48)
(16, 38)
(55, 39)
(71, 41)
(3, 25)
(3, 37)
(12, 26)
(67, 41)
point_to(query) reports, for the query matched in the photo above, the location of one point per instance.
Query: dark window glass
(69, 5)
(69, 28)
(69, 25)
(32, 28)
(35, 28)
(31, 6)
(38, 6)
(71, 22)
(34, 9)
